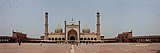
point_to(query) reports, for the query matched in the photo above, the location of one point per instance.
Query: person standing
(19, 42)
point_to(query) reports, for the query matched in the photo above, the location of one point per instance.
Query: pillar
(98, 25)
(46, 26)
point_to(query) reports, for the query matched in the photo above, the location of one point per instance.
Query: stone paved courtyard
(81, 48)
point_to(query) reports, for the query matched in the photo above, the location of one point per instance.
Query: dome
(86, 29)
(98, 12)
(58, 29)
(46, 12)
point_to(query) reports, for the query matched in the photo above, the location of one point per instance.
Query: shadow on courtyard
(158, 51)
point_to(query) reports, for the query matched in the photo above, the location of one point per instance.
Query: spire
(131, 31)
(98, 13)
(86, 25)
(98, 25)
(72, 19)
(46, 26)
(46, 12)
(12, 30)
(58, 24)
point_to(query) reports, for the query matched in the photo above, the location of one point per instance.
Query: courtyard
(80, 48)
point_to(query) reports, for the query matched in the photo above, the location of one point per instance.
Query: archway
(72, 36)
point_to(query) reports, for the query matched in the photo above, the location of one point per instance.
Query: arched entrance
(72, 36)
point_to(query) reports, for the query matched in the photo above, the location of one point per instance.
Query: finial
(12, 30)
(85, 24)
(58, 25)
(98, 12)
(46, 12)
(72, 19)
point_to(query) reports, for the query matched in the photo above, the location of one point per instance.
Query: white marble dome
(58, 29)
(86, 29)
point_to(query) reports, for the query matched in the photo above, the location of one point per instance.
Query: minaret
(46, 26)
(98, 25)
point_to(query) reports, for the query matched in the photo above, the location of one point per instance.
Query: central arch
(72, 34)
(72, 38)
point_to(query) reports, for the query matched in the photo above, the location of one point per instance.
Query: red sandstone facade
(19, 36)
(124, 37)
(72, 32)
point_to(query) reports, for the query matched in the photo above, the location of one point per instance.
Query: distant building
(6, 39)
(127, 37)
(110, 40)
(72, 32)
(16, 36)
(146, 39)
(19, 36)
(124, 37)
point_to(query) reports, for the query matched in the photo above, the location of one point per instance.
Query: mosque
(72, 32)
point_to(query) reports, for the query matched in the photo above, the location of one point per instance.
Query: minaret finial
(86, 24)
(72, 19)
(12, 30)
(98, 12)
(58, 25)
(46, 12)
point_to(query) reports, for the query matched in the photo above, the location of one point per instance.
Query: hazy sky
(140, 16)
